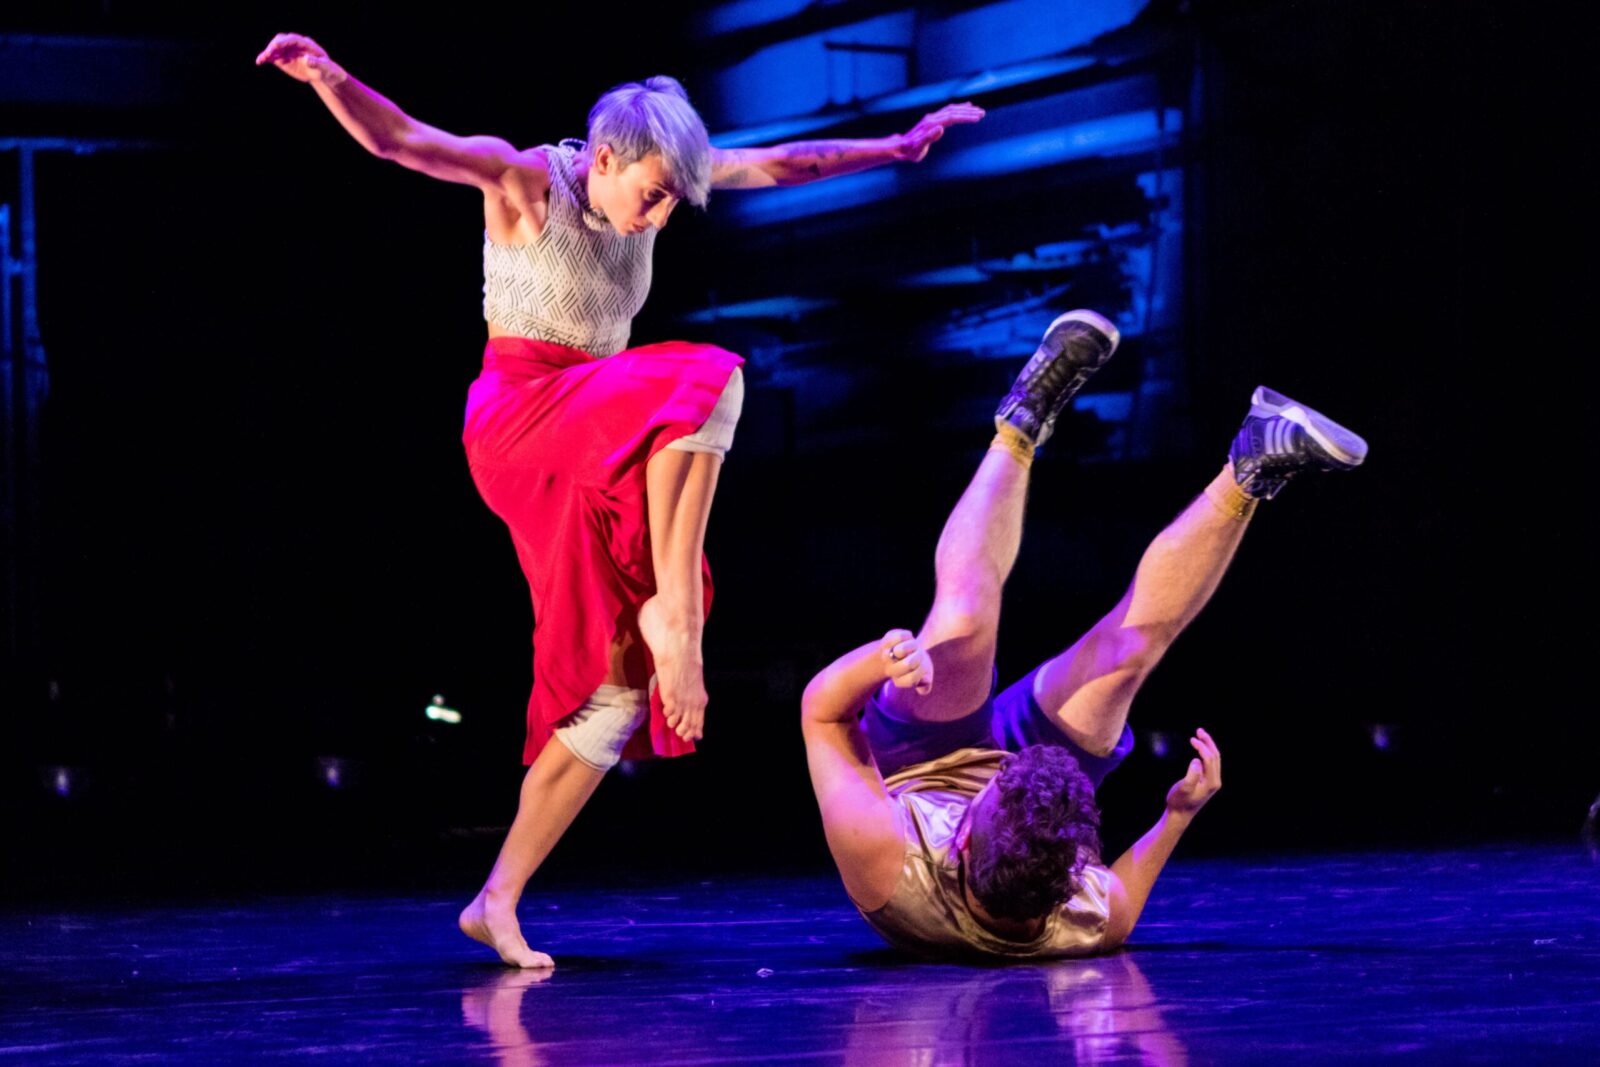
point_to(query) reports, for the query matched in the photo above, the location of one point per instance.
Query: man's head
(1031, 830)
(649, 150)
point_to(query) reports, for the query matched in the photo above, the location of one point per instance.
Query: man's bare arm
(839, 690)
(857, 815)
(1135, 871)
(799, 162)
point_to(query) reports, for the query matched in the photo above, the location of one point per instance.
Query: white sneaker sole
(1343, 445)
(1089, 318)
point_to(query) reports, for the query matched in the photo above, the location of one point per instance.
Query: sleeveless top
(928, 913)
(580, 282)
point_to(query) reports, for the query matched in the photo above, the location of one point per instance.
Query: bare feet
(680, 669)
(497, 927)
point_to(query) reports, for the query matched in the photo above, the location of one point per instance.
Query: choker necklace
(591, 214)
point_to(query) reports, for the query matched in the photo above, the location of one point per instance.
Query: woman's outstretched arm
(808, 161)
(380, 127)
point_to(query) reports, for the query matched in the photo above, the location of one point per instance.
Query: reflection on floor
(1487, 955)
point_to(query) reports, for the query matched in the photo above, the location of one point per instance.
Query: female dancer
(602, 460)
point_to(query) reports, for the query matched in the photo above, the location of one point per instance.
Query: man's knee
(1132, 652)
(962, 621)
(1103, 671)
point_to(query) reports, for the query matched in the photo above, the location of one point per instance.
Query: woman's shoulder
(536, 159)
(561, 157)
(518, 214)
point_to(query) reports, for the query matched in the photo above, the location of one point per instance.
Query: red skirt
(557, 442)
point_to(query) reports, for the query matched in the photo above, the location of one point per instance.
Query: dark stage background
(246, 553)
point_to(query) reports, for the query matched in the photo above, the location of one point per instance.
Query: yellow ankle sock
(1010, 439)
(1232, 501)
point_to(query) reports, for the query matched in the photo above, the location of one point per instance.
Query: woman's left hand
(914, 145)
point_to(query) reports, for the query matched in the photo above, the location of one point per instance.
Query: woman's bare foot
(497, 927)
(680, 669)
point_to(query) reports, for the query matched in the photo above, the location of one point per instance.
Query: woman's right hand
(302, 59)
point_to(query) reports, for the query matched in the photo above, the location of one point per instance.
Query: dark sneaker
(1074, 347)
(1281, 438)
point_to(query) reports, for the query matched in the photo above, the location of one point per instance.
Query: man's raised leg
(1089, 687)
(975, 555)
(981, 538)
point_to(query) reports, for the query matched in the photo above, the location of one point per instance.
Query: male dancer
(963, 822)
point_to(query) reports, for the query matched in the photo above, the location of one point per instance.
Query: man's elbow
(1120, 918)
(811, 700)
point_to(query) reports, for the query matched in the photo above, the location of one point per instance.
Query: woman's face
(634, 197)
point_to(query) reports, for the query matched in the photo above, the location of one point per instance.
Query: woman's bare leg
(553, 792)
(679, 487)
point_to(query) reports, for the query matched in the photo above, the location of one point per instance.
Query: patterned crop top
(580, 282)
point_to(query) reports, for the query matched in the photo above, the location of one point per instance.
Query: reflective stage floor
(1489, 955)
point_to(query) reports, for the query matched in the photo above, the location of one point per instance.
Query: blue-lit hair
(640, 119)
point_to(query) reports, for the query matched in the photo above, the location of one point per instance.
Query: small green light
(437, 711)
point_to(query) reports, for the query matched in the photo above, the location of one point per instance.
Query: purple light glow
(331, 771)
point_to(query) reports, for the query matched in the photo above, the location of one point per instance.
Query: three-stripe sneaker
(1281, 438)
(1075, 346)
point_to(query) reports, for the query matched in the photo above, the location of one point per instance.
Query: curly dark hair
(1032, 838)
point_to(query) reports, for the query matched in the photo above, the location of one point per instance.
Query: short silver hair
(638, 119)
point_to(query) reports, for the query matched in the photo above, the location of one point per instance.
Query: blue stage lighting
(1108, 135)
(778, 307)
(783, 205)
(1108, 407)
(745, 15)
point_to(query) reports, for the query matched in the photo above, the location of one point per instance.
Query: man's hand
(302, 59)
(906, 663)
(1135, 871)
(1202, 781)
(914, 145)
